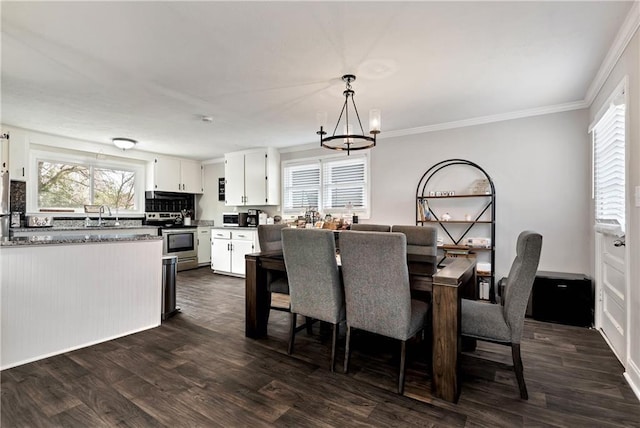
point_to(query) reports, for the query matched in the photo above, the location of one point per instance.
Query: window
(67, 183)
(332, 185)
(609, 166)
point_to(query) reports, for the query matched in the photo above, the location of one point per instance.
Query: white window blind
(609, 167)
(328, 184)
(301, 187)
(344, 182)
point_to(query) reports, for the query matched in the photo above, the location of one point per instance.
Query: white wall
(208, 206)
(540, 168)
(629, 65)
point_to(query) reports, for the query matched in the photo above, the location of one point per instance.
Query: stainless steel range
(177, 239)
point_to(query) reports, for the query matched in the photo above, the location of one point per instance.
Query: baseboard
(632, 375)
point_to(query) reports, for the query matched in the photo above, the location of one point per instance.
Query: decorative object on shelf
(124, 143)
(349, 140)
(446, 217)
(481, 186)
(423, 210)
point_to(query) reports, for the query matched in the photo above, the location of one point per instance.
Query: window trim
(90, 161)
(361, 213)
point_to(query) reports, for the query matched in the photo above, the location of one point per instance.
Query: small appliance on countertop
(243, 219)
(15, 219)
(262, 218)
(230, 219)
(253, 218)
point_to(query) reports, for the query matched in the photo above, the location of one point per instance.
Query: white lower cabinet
(228, 248)
(204, 245)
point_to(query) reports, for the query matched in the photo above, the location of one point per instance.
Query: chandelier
(349, 140)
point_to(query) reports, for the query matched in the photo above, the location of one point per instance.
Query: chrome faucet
(101, 211)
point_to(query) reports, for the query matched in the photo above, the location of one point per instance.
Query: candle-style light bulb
(374, 121)
(348, 130)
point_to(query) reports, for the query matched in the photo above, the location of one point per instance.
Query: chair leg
(347, 350)
(403, 357)
(309, 324)
(334, 340)
(292, 331)
(517, 366)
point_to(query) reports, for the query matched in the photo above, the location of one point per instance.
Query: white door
(221, 255)
(611, 277)
(610, 172)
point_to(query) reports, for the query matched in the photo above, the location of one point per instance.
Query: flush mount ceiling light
(349, 140)
(124, 143)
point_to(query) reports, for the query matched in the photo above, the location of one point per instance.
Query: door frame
(623, 87)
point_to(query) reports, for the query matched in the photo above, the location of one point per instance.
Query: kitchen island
(64, 292)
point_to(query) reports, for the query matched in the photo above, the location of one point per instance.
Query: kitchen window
(66, 183)
(333, 185)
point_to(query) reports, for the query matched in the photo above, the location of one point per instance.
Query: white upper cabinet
(4, 155)
(234, 179)
(191, 172)
(252, 177)
(175, 175)
(18, 155)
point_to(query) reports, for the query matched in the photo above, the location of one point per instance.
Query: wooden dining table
(447, 285)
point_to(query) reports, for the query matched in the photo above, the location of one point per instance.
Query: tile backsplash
(18, 198)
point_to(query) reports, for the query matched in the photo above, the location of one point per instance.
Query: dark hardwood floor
(198, 369)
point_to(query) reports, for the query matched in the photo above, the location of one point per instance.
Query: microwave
(230, 219)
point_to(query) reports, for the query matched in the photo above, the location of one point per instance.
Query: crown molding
(626, 32)
(577, 105)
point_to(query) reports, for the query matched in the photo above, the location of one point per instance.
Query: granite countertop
(41, 230)
(75, 239)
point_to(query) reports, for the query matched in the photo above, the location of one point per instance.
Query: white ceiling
(262, 70)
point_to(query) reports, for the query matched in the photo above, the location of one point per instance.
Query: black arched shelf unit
(433, 206)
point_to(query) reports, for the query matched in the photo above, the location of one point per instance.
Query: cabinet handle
(23, 171)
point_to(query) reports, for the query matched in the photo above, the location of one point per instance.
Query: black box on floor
(564, 298)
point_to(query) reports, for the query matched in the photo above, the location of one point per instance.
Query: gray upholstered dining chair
(270, 239)
(422, 240)
(504, 324)
(360, 227)
(377, 291)
(315, 287)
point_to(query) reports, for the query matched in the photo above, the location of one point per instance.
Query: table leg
(256, 299)
(446, 342)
